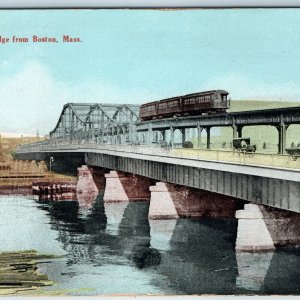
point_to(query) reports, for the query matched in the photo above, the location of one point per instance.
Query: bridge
(118, 149)
(119, 124)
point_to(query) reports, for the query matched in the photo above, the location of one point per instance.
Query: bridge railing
(262, 159)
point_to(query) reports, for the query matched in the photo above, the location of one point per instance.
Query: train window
(171, 103)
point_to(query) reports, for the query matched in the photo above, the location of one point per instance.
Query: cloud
(33, 98)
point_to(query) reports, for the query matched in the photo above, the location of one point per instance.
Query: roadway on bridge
(268, 165)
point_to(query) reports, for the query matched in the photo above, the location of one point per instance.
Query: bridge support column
(122, 187)
(161, 203)
(237, 131)
(172, 136)
(183, 131)
(208, 137)
(199, 130)
(85, 180)
(149, 135)
(163, 134)
(263, 228)
(282, 138)
(114, 191)
(169, 201)
(90, 182)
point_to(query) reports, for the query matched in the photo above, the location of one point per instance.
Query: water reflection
(134, 236)
(84, 236)
(114, 213)
(252, 269)
(201, 258)
(283, 275)
(161, 233)
(183, 256)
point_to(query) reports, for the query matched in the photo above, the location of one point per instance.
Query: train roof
(206, 92)
(187, 95)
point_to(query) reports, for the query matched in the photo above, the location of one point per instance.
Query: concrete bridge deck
(268, 161)
(264, 184)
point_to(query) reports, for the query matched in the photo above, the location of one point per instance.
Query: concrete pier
(86, 190)
(263, 228)
(173, 201)
(161, 202)
(114, 190)
(85, 180)
(253, 234)
(122, 186)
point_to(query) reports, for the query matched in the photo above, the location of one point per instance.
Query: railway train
(209, 102)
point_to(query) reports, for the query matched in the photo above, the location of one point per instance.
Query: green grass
(244, 105)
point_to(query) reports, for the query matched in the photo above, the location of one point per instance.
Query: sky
(136, 56)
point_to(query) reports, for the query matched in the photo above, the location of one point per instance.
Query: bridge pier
(122, 187)
(183, 131)
(262, 228)
(237, 131)
(163, 134)
(149, 135)
(282, 137)
(169, 201)
(172, 136)
(208, 137)
(199, 130)
(90, 182)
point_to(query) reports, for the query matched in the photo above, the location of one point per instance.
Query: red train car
(210, 102)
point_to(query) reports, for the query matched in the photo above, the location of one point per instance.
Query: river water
(110, 249)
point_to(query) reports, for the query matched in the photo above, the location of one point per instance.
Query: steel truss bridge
(114, 123)
(119, 124)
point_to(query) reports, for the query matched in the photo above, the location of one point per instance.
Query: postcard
(149, 152)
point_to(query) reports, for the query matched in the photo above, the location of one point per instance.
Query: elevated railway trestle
(119, 124)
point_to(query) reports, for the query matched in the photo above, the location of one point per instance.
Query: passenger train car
(210, 102)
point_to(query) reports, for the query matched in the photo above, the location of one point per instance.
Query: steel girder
(81, 122)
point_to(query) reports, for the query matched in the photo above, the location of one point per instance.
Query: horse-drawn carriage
(243, 145)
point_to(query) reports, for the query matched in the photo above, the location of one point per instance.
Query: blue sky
(135, 56)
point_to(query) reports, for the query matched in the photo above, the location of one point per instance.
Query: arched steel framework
(97, 122)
